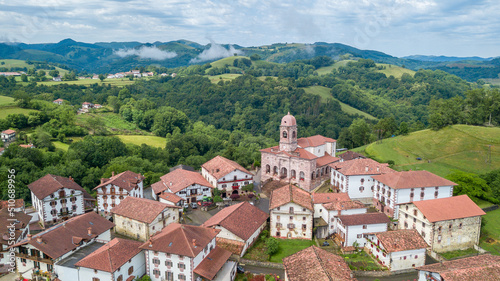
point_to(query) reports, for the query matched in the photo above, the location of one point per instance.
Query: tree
(102, 77)
(360, 132)
(41, 73)
(403, 128)
(115, 103)
(54, 73)
(272, 246)
(24, 78)
(255, 57)
(22, 98)
(470, 184)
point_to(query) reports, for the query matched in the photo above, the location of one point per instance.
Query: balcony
(34, 258)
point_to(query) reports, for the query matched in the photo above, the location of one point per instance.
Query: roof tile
(361, 167)
(412, 179)
(220, 166)
(359, 219)
(140, 209)
(401, 240)
(179, 179)
(290, 193)
(450, 208)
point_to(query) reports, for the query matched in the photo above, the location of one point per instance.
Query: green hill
(458, 147)
(394, 70)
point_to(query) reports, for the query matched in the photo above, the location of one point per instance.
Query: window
(182, 277)
(423, 224)
(359, 236)
(439, 238)
(304, 226)
(291, 218)
(181, 266)
(416, 256)
(130, 270)
(120, 278)
(284, 134)
(303, 218)
(156, 261)
(95, 279)
(362, 181)
(156, 272)
(460, 226)
(278, 225)
(449, 227)
(291, 210)
(361, 189)
(436, 194)
(406, 216)
(278, 234)
(169, 275)
(169, 263)
(277, 218)
(73, 208)
(365, 226)
(407, 207)
(415, 213)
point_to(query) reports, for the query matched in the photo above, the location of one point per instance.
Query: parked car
(194, 205)
(326, 244)
(240, 269)
(185, 206)
(204, 203)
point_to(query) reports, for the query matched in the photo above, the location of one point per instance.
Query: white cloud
(215, 51)
(146, 53)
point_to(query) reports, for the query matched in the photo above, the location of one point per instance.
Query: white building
(397, 250)
(56, 198)
(341, 208)
(186, 252)
(226, 175)
(239, 225)
(291, 211)
(118, 260)
(58, 101)
(394, 189)
(8, 135)
(140, 218)
(171, 199)
(43, 250)
(351, 228)
(14, 227)
(113, 190)
(188, 185)
(354, 177)
(482, 267)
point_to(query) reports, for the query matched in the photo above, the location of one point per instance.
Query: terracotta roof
(178, 239)
(220, 166)
(18, 203)
(58, 100)
(212, 263)
(362, 167)
(233, 246)
(140, 209)
(242, 219)
(49, 184)
(127, 180)
(412, 179)
(111, 256)
(298, 152)
(179, 179)
(313, 141)
(315, 264)
(344, 205)
(290, 193)
(401, 240)
(449, 208)
(58, 240)
(27, 145)
(325, 160)
(350, 155)
(20, 221)
(171, 197)
(288, 120)
(8, 132)
(320, 198)
(482, 267)
(359, 219)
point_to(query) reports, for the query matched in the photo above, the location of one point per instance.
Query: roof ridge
(239, 205)
(321, 263)
(185, 237)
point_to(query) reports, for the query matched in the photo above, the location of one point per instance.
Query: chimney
(194, 242)
(170, 183)
(150, 244)
(113, 173)
(366, 169)
(39, 239)
(378, 169)
(29, 237)
(71, 178)
(89, 231)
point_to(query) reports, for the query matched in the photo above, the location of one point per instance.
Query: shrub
(251, 195)
(272, 246)
(217, 199)
(248, 187)
(234, 196)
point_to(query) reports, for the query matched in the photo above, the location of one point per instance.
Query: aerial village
(175, 230)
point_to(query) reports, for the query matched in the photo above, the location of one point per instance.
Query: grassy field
(491, 241)
(86, 82)
(229, 61)
(21, 63)
(327, 69)
(112, 121)
(5, 101)
(288, 247)
(225, 77)
(394, 70)
(325, 94)
(61, 145)
(139, 139)
(6, 110)
(459, 147)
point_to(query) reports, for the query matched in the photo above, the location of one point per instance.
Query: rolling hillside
(458, 147)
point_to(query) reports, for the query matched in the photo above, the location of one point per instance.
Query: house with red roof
(239, 225)
(118, 260)
(393, 189)
(303, 161)
(118, 187)
(14, 227)
(446, 224)
(355, 177)
(58, 101)
(397, 250)
(352, 228)
(291, 213)
(8, 135)
(483, 267)
(56, 198)
(187, 185)
(187, 252)
(316, 264)
(171, 199)
(226, 175)
(140, 218)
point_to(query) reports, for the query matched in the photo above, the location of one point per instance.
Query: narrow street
(264, 270)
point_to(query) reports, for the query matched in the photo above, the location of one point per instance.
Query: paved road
(264, 270)
(9, 277)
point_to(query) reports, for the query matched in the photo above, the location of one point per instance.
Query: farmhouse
(239, 225)
(292, 213)
(340, 208)
(483, 267)
(190, 186)
(446, 224)
(303, 161)
(315, 264)
(57, 198)
(14, 227)
(226, 175)
(8, 135)
(58, 101)
(394, 189)
(171, 199)
(113, 190)
(351, 228)
(140, 218)
(350, 155)
(354, 177)
(397, 250)
(187, 252)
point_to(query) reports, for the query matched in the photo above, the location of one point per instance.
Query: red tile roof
(220, 166)
(242, 219)
(401, 240)
(297, 153)
(179, 179)
(344, 205)
(350, 155)
(20, 221)
(359, 219)
(290, 193)
(181, 239)
(482, 267)
(8, 132)
(450, 208)
(320, 198)
(325, 160)
(58, 240)
(315, 264)
(49, 184)
(361, 167)
(233, 246)
(18, 203)
(171, 197)
(127, 180)
(313, 141)
(212, 263)
(412, 179)
(140, 209)
(27, 145)
(111, 256)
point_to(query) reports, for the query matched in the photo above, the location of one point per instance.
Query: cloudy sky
(396, 27)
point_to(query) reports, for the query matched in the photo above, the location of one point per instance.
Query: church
(303, 161)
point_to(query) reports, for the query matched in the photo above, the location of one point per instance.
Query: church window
(284, 134)
(268, 169)
(361, 189)
(293, 134)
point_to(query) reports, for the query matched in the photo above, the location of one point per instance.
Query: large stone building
(226, 175)
(303, 161)
(113, 190)
(446, 224)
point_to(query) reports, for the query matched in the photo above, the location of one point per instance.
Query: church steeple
(288, 133)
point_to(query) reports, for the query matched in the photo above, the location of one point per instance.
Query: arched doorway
(283, 173)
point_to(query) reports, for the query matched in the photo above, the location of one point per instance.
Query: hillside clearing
(88, 82)
(394, 70)
(224, 77)
(112, 121)
(138, 140)
(5, 101)
(7, 110)
(327, 69)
